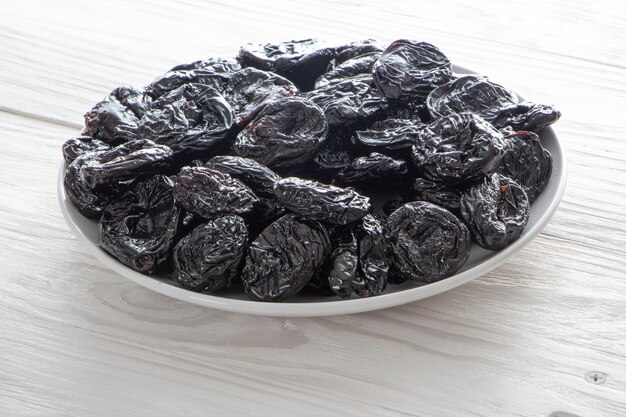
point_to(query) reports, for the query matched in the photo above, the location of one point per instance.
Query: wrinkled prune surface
(355, 67)
(527, 116)
(373, 169)
(448, 197)
(75, 147)
(116, 118)
(317, 201)
(347, 101)
(301, 62)
(411, 69)
(391, 205)
(193, 119)
(285, 133)
(284, 258)
(250, 88)
(526, 162)
(373, 264)
(427, 242)
(209, 258)
(458, 148)
(213, 72)
(139, 227)
(125, 162)
(210, 193)
(334, 155)
(258, 177)
(471, 93)
(87, 201)
(343, 276)
(390, 136)
(496, 211)
(356, 49)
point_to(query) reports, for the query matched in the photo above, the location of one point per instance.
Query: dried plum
(496, 211)
(210, 193)
(458, 148)
(373, 169)
(334, 155)
(527, 116)
(354, 67)
(373, 264)
(209, 258)
(75, 147)
(317, 201)
(411, 69)
(526, 162)
(285, 133)
(471, 93)
(391, 205)
(342, 274)
(125, 162)
(138, 228)
(193, 119)
(390, 136)
(301, 62)
(421, 189)
(427, 242)
(284, 258)
(258, 177)
(347, 101)
(356, 49)
(115, 119)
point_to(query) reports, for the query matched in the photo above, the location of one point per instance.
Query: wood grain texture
(78, 340)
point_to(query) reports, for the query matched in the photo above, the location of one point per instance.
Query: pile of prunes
(265, 172)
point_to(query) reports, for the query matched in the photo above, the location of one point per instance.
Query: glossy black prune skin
(526, 162)
(347, 101)
(316, 201)
(356, 49)
(193, 119)
(496, 211)
(343, 264)
(373, 169)
(373, 264)
(125, 162)
(335, 154)
(421, 189)
(471, 93)
(301, 62)
(115, 119)
(138, 228)
(457, 148)
(354, 67)
(285, 133)
(284, 258)
(390, 136)
(258, 177)
(527, 116)
(210, 193)
(411, 69)
(427, 242)
(210, 257)
(75, 147)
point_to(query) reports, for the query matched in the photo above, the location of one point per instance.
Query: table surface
(79, 340)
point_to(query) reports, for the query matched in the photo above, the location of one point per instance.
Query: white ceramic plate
(480, 262)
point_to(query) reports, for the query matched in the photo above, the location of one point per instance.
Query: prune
(391, 205)
(448, 197)
(526, 162)
(284, 258)
(285, 133)
(496, 211)
(471, 93)
(258, 177)
(342, 275)
(193, 119)
(356, 49)
(209, 258)
(347, 101)
(210, 193)
(373, 169)
(87, 201)
(458, 148)
(400, 109)
(138, 228)
(301, 62)
(125, 162)
(391, 136)
(411, 69)
(427, 242)
(317, 201)
(527, 116)
(334, 155)
(75, 147)
(250, 88)
(213, 72)
(373, 264)
(116, 118)
(360, 65)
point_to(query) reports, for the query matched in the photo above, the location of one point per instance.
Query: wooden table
(79, 340)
